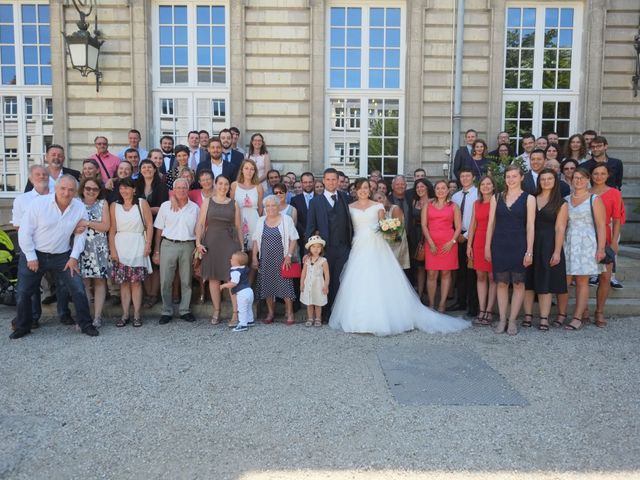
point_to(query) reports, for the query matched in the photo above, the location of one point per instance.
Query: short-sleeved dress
(270, 283)
(220, 240)
(441, 227)
(481, 210)
(509, 241)
(313, 283)
(614, 209)
(247, 200)
(94, 261)
(542, 277)
(400, 248)
(580, 243)
(414, 234)
(132, 266)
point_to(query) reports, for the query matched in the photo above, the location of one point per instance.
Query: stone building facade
(355, 84)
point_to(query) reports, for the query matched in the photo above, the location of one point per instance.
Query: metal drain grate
(444, 375)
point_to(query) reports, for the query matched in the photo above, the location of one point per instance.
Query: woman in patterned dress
(94, 261)
(274, 243)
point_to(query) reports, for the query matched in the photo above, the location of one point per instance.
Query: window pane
(166, 15)
(376, 57)
(566, 38)
(551, 38)
(526, 109)
(181, 56)
(549, 79)
(218, 56)
(166, 56)
(6, 34)
(375, 79)
(526, 79)
(392, 79)
(528, 38)
(337, 37)
(391, 129)
(551, 17)
(511, 79)
(337, 78)
(203, 15)
(180, 35)
(513, 17)
(376, 17)
(564, 110)
(202, 34)
(43, 33)
(7, 56)
(29, 34)
(31, 75)
(354, 17)
(30, 55)
(564, 58)
(548, 109)
(526, 59)
(353, 37)
(166, 38)
(353, 78)
(45, 75)
(6, 13)
(529, 17)
(564, 79)
(28, 14)
(392, 59)
(337, 57)
(353, 58)
(566, 17)
(513, 37)
(218, 35)
(393, 37)
(8, 75)
(393, 17)
(217, 15)
(204, 56)
(181, 75)
(390, 167)
(337, 16)
(550, 59)
(180, 15)
(376, 37)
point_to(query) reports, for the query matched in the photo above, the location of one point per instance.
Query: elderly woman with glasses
(274, 242)
(280, 191)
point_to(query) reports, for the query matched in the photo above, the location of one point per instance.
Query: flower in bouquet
(391, 229)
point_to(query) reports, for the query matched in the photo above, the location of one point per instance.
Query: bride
(375, 295)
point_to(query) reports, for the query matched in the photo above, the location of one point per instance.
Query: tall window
(190, 75)
(26, 116)
(541, 84)
(365, 94)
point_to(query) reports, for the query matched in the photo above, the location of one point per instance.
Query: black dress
(541, 277)
(509, 241)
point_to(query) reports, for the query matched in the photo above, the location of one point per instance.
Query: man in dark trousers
(329, 217)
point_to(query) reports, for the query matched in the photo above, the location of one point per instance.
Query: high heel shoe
(501, 327)
(527, 323)
(479, 319)
(544, 327)
(215, 318)
(559, 323)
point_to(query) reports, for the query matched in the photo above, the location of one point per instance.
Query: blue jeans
(29, 283)
(36, 306)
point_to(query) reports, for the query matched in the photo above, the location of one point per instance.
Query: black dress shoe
(164, 319)
(188, 317)
(35, 323)
(456, 307)
(19, 334)
(91, 331)
(49, 300)
(67, 320)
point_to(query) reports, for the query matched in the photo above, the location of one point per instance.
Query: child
(241, 290)
(314, 281)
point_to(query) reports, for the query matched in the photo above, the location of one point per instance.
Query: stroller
(8, 269)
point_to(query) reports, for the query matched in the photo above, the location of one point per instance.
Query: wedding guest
(599, 146)
(576, 149)
(203, 137)
(94, 261)
(382, 187)
(45, 230)
(216, 163)
(552, 137)
(542, 143)
(503, 139)
(528, 143)
(174, 239)
(547, 275)
(552, 152)
(130, 235)
(90, 169)
(373, 186)
(168, 157)
(55, 160)
(218, 235)
(399, 246)
(588, 136)
(150, 187)
(241, 290)
(485, 286)
(182, 153)
(419, 174)
(229, 154)
(280, 191)
(260, 155)
(478, 162)
(318, 187)
(297, 187)
(108, 162)
(614, 218)
(375, 175)
(441, 227)
(206, 191)
(536, 165)
(314, 281)
(124, 171)
(415, 239)
(301, 203)
(157, 157)
(568, 167)
(509, 245)
(554, 165)
(235, 140)
(504, 154)
(464, 152)
(133, 137)
(131, 155)
(466, 280)
(274, 243)
(584, 244)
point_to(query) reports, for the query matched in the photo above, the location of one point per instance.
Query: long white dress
(375, 295)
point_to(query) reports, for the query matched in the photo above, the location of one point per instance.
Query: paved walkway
(194, 401)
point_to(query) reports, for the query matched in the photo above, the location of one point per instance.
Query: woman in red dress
(475, 250)
(441, 226)
(614, 219)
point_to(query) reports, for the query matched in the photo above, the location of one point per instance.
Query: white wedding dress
(375, 295)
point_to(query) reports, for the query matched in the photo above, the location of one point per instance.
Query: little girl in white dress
(314, 281)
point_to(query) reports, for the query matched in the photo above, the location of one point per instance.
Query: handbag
(144, 235)
(419, 253)
(609, 254)
(294, 270)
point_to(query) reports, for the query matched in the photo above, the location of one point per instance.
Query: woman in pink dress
(475, 250)
(441, 226)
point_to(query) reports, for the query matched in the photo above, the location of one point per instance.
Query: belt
(177, 241)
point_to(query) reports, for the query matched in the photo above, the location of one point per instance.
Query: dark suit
(565, 189)
(65, 171)
(300, 204)
(462, 157)
(236, 159)
(164, 168)
(229, 169)
(528, 184)
(323, 220)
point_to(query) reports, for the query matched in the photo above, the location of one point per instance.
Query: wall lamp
(82, 47)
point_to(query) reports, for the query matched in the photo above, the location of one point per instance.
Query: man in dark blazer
(215, 163)
(197, 154)
(169, 158)
(464, 153)
(301, 203)
(228, 153)
(530, 182)
(55, 159)
(329, 217)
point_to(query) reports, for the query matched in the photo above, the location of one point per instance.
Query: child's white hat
(315, 240)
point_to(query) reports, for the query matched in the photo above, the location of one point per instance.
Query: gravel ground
(196, 401)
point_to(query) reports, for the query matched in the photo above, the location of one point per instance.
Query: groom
(329, 217)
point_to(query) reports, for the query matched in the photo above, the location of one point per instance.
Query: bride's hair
(360, 182)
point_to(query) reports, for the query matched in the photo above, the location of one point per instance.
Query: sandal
(559, 323)
(234, 320)
(215, 318)
(488, 319)
(599, 319)
(544, 327)
(122, 322)
(317, 322)
(137, 322)
(478, 320)
(572, 327)
(527, 323)
(291, 320)
(268, 320)
(309, 322)
(150, 301)
(585, 317)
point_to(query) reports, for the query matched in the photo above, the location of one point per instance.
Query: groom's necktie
(334, 197)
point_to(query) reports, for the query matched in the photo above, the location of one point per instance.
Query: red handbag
(294, 270)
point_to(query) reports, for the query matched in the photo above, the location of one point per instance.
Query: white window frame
(540, 95)
(192, 91)
(21, 91)
(364, 94)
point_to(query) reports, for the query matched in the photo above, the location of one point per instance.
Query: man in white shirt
(45, 240)
(466, 277)
(528, 145)
(133, 137)
(175, 241)
(39, 177)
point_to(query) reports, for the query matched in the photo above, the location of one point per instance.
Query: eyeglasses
(101, 143)
(278, 193)
(91, 189)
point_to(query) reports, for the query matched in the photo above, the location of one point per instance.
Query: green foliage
(497, 168)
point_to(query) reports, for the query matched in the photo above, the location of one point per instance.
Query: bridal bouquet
(391, 229)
